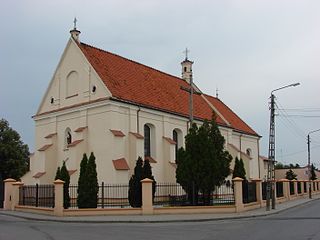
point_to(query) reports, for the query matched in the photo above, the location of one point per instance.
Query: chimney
(75, 32)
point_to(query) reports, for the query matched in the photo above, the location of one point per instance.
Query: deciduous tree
(14, 154)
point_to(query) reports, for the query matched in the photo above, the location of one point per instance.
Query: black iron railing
(264, 190)
(299, 187)
(279, 189)
(291, 186)
(37, 195)
(305, 188)
(172, 194)
(249, 193)
(109, 196)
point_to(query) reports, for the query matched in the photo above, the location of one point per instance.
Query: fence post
(286, 188)
(102, 195)
(8, 193)
(238, 196)
(58, 197)
(15, 194)
(147, 206)
(258, 190)
(295, 184)
(302, 187)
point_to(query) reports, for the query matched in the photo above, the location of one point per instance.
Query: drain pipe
(138, 131)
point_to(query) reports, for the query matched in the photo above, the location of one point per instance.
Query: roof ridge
(232, 112)
(133, 61)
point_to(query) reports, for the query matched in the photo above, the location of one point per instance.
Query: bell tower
(187, 68)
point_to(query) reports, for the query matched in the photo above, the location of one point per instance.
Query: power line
(295, 153)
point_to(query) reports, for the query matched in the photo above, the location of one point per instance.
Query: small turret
(75, 32)
(187, 68)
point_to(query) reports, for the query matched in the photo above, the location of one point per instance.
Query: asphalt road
(299, 223)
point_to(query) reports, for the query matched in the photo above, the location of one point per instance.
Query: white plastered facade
(79, 101)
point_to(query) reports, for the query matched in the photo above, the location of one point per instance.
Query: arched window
(68, 137)
(177, 137)
(248, 151)
(147, 141)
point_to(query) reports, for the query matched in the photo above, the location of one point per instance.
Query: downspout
(138, 131)
(259, 158)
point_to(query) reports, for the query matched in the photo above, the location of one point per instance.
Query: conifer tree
(82, 183)
(204, 164)
(135, 188)
(239, 170)
(64, 176)
(313, 173)
(290, 175)
(92, 182)
(58, 173)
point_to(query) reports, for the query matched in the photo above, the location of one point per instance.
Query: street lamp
(271, 156)
(309, 167)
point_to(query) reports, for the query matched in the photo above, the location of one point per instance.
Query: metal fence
(249, 193)
(291, 186)
(172, 194)
(279, 189)
(37, 195)
(305, 188)
(109, 195)
(264, 190)
(299, 187)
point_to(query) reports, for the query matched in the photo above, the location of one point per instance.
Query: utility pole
(272, 152)
(271, 158)
(309, 169)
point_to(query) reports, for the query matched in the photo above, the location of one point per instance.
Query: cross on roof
(186, 53)
(75, 23)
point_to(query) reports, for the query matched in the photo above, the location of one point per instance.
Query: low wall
(12, 202)
(38, 210)
(195, 210)
(102, 212)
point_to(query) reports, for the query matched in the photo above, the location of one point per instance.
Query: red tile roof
(137, 135)
(39, 174)
(44, 147)
(120, 164)
(75, 143)
(169, 140)
(136, 83)
(81, 129)
(117, 133)
(50, 135)
(72, 172)
(139, 84)
(150, 159)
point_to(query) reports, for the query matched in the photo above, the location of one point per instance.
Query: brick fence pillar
(238, 198)
(8, 193)
(58, 197)
(147, 205)
(258, 190)
(15, 194)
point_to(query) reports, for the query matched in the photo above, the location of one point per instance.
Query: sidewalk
(162, 218)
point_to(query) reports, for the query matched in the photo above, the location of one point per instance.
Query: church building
(120, 109)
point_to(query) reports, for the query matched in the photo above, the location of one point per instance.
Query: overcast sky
(243, 48)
